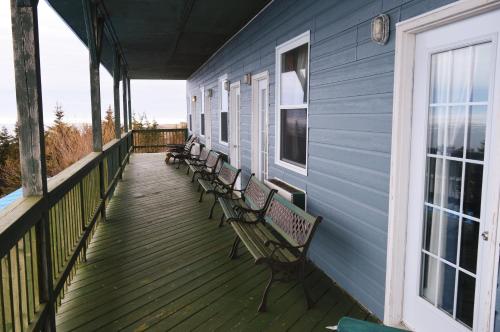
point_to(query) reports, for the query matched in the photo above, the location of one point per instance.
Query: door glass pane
(455, 131)
(481, 72)
(434, 181)
(459, 74)
(446, 292)
(431, 229)
(452, 185)
(465, 298)
(223, 127)
(449, 237)
(476, 132)
(468, 245)
(472, 189)
(440, 64)
(428, 280)
(437, 120)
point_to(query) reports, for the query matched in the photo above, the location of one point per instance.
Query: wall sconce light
(247, 79)
(226, 85)
(380, 29)
(193, 99)
(209, 93)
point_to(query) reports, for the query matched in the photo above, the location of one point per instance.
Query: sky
(65, 77)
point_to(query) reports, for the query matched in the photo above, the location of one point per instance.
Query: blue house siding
(350, 112)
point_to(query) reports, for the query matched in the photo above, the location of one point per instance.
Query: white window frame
(221, 81)
(406, 32)
(202, 101)
(304, 38)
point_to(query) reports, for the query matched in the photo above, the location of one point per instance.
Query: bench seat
(255, 236)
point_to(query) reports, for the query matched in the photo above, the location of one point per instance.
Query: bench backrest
(228, 174)
(295, 225)
(196, 149)
(190, 143)
(203, 153)
(257, 195)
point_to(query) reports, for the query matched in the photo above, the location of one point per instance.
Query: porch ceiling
(164, 39)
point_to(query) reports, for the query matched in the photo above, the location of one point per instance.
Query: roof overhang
(163, 39)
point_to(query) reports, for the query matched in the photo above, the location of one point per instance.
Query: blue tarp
(10, 198)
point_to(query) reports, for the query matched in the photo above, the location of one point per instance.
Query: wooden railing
(156, 140)
(42, 239)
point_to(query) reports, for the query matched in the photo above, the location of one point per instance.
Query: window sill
(296, 169)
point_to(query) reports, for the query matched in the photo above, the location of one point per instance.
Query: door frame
(256, 120)
(406, 33)
(231, 123)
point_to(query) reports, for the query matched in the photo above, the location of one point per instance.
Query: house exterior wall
(350, 112)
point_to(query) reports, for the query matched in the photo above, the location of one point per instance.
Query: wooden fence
(42, 239)
(157, 140)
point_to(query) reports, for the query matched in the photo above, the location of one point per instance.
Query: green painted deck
(159, 263)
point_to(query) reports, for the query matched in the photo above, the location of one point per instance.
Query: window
(202, 113)
(223, 106)
(190, 118)
(292, 89)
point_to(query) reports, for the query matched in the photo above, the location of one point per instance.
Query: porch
(157, 262)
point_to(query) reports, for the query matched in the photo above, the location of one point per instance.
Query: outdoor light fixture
(380, 29)
(247, 79)
(209, 93)
(193, 99)
(226, 85)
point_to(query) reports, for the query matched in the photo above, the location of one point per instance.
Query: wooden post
(94, 26)
(125, 98)
(24, 18)
(116, 93)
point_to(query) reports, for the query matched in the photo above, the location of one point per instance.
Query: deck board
(159, 263)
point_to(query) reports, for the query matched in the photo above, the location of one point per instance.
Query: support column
(116, 93)
(94, 26)
(25, 40)
(129, 104)
(125, 98)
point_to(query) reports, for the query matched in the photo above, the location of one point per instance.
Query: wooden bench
(181, 156)
(179, 147)
(205, 167)
(280, 240)
(222, 184)
(250, 203)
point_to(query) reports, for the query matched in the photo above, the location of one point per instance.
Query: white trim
(304, 38)
(255, 124)
(400, 157)
(202, 111)
(230, 39)
(235, 144)
(220, 86)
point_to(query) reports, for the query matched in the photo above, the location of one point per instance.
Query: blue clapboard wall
(351, 83)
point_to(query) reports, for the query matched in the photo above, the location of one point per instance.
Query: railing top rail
(159, 130)
(17, 219)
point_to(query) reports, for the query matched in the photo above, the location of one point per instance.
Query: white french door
(454, 175)
(208, 121)
(234, 127)
(260, 105)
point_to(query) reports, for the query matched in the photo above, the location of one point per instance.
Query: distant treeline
(65, 144)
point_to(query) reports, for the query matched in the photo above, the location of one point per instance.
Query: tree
(108, 126)
(5, 143)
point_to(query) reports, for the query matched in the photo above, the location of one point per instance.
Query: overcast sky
(65, 77)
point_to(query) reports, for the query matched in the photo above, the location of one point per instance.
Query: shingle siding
(350, 113)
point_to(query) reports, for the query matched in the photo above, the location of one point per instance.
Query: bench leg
(263, 303)
(221, 220)
(187, 172)
(199, 187)
(302, 279)
(201, 195)
(234, 250)
(178, 163)
(213, 207)
(194, 175)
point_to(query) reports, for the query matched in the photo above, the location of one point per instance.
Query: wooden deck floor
(158, 263)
